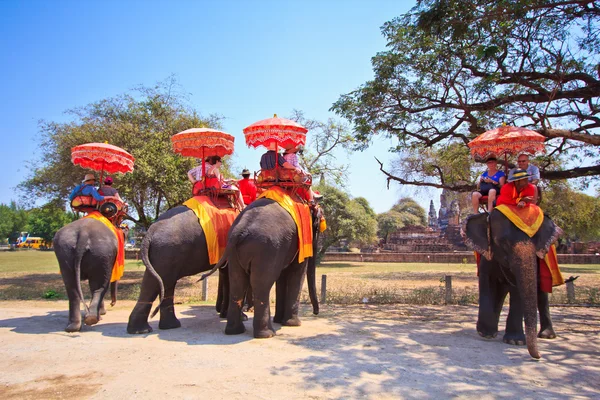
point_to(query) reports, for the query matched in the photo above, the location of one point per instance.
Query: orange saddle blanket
(300, 212)
(119, 265)
(215, 222)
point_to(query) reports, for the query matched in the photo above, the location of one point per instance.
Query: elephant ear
(545, 236)
(475, 234)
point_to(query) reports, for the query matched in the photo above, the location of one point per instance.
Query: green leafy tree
(326, 138)
(387, 223)
(410, 212)
(453, 69)
(576, 213)
(45, 221)
(347, 219)
(141, 122)
(13, 221)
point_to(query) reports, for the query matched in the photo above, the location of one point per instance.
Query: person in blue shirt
(489, 184)
(87, 188)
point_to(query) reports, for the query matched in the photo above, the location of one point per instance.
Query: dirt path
(346, 352)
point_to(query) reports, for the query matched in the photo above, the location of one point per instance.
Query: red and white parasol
(280, 131)
(202, 143)
(102, 157)
(505, 141)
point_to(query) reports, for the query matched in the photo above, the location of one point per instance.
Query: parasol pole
(101, 174)
(203, 170)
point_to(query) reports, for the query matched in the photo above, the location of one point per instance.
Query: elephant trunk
(527, 281)
(144, 248)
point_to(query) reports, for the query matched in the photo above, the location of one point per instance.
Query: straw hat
(88, 177)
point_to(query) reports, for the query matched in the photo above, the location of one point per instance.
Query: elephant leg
(491, 298)
(74, 324)
(238, 285)
(249, 299)
(98, 293)
(138, 319)
(261, 288)
(546, 329)
(102, 309)
(514, 333)
(294, 280)
(280, 291)
(168, 320)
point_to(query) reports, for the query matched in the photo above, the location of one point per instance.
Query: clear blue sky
(244, 60)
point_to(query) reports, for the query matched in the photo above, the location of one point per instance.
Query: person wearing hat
(489, 184)
(87, 188)
(247, 187)
(267, 160)
(291, 157)
(518, 191)
(108, 190)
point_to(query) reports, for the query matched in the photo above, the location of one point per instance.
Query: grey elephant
(86, 249)
(262, 249)
(174, 247)
(510, 265)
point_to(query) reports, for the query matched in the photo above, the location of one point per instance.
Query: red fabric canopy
(505, 141)
(283, 132)
(202, 142)
(102, 157)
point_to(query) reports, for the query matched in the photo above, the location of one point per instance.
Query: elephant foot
(547, 333)
(244, 317)
(294, 321)
(235, 329)
(264, 334)
(278, 319)
(171, 323)
(514, 339)
(133, 330)
(488, 335)
(223, 314)
(102, 311)
(73, 327)
(91, 319)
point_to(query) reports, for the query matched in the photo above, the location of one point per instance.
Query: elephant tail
(220, 264)
(146, 260)
(79, 256)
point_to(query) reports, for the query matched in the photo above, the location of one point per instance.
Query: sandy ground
(398, 351)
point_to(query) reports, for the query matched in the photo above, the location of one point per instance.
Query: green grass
(34, 275)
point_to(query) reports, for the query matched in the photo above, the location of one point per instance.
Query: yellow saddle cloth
(528, 219)
(119, 265)
(215, 223)
(300, 212)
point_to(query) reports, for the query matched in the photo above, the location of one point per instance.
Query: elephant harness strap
(119, 265)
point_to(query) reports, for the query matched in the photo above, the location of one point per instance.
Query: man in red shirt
(247, 187)
(518, 191)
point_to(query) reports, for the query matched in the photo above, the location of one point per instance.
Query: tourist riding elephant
(509, 264)
(86, 249)
(263, 249)
(174, 247)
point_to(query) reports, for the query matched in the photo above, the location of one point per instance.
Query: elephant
(509, 264)
(262, 249)
(174, 247)
(86, 249)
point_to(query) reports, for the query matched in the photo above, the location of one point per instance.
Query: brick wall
(456, 257)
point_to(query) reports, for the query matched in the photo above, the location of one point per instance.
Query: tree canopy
(13, 221)
(406, 212)
(141, 122)
(347, 219)
(454, 69)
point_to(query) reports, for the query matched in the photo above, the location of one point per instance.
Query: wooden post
(205, 289)
(448, 280)
(323, 289)
(570, 292)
